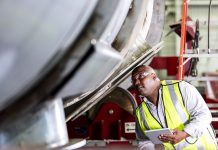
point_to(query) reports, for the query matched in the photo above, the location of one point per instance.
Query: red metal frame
(105, 125)
(170, 63)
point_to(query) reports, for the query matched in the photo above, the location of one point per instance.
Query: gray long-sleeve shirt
(196, 106)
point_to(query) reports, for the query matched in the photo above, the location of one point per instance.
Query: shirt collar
(143, 98)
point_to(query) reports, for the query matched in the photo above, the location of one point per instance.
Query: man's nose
(137, 82)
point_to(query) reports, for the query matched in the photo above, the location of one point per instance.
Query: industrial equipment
(70, 54)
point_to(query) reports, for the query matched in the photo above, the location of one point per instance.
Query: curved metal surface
(44, 126)
(88, 76)
(116, 22)
(69, 63)
(134, 52)
(119, 96)
(34, 36)
(103, 30)
(98, 94)
(125, 39)
(157, 22)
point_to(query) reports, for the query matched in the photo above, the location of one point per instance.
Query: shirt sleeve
(146, 145)
(200, 116)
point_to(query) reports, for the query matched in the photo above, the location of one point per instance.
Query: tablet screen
(154, 134)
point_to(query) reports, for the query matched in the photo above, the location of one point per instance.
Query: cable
(208, 27)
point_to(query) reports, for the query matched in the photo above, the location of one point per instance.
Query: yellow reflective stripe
(152, 123)
(140, 119)
(168, 146)
(179, 97)
(207, 141)
(174, 120)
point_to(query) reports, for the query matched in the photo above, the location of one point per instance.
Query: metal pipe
(208, 27)
(182, 41)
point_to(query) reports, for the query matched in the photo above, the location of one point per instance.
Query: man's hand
(174, 138)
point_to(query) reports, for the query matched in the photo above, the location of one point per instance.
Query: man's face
(143, 82)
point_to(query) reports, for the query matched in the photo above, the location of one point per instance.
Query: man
(172, 104)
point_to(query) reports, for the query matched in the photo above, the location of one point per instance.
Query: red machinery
(111, 122)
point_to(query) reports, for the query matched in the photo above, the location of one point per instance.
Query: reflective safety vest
(176, 116)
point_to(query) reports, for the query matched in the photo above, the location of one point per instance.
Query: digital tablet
(154, 134)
